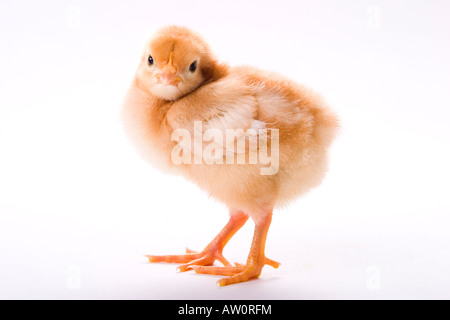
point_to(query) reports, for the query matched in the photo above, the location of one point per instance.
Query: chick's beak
(169, 76)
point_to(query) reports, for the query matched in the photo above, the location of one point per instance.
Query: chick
(279, 130)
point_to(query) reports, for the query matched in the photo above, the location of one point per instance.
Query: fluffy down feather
(222, 98)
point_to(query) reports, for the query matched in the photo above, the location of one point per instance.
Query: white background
(78, 207)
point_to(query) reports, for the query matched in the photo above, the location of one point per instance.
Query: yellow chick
(252, 139)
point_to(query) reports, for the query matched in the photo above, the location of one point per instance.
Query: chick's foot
(212, 252)
(255, 262)
(204, 258)
(236, 274)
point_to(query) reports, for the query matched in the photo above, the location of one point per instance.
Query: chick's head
(175, 62)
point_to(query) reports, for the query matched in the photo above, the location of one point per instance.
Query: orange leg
(212, 252)
(255, 262)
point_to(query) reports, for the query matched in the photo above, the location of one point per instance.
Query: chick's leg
(212, 252)
(255, 262)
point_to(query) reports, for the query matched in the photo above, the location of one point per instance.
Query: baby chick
(279, 130)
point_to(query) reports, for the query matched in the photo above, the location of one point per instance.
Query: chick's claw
(249, 272)
(207, 258)
(182, 258)
(192, 258)
(221, 271)
(236, 274)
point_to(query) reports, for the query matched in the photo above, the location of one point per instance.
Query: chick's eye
(193, 66)
(150, 60)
